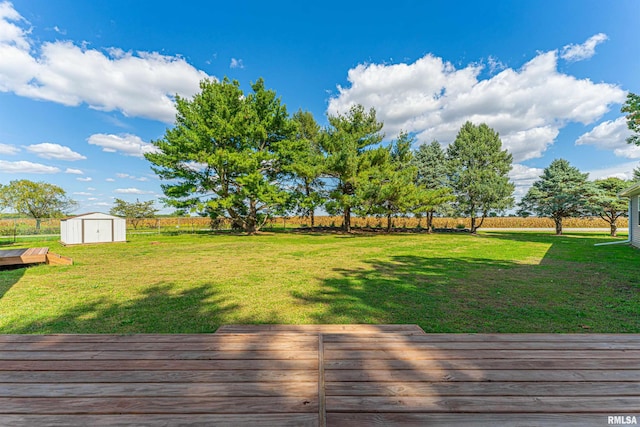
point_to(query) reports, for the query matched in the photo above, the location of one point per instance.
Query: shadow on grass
(9, 276)
(159, 310)
(573, 288)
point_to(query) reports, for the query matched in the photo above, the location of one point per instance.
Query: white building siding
(634, 221)
(93, 228)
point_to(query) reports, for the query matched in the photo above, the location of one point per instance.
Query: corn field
(24, 226)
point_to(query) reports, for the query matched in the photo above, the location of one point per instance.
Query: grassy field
(493, 282)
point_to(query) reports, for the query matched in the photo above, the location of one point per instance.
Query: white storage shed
(93, 227)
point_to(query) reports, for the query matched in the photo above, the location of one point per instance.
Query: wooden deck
(336, 375)
(10, 257)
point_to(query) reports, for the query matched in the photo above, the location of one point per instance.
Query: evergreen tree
(561, 192)
(478, 173)
(431, 179)
(348, 144)
(225, 154)
(605, 203)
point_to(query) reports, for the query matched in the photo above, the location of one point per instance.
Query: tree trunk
(614, 229)
(473, 225)
(558, 221)
(389, 223)
(38, 220)
(430, 222)
(347, 220)
(252, 219)
(312, 216)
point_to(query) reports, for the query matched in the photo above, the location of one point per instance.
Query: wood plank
(324, 329)
(159, 355)
(484, 404)
(475, 364)
(230, 389)
(408, 353)
(152, 420)
(155, 365)
(153, 338)
(265, 375)
(55, 259)
(418, 343)
(213, 345)
(482, 375)
(456, 338)
(424, 388)
(159, 405)
(467, 420)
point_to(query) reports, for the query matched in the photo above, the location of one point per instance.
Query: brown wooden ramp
(11, 257)
(337, 375)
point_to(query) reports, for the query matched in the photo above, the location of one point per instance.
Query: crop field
(190, 283)
(25, 226)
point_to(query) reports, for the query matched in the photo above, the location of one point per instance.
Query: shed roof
(631, 191)
(93, 215)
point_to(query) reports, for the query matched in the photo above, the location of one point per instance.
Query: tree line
(242, 157)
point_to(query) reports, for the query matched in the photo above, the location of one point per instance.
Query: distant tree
(561, 192)
(478, 173)
(306, 164)
(389, 189)
(636, 174)
(134, 212)
(224, 154)
(36, 200)
(605, 202)
(348, 146)
(632, 107)
(431, 179)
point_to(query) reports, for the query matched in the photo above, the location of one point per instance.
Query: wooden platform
(336, 375)
(32, 256)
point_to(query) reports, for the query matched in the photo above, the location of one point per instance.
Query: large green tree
(134, 212)
(223, 156)
(605, 203)
(389, 189)
(37, 200)
(561, 192)
(431, 179)
(348, 143)
(306, 163)
(632, 108)
(478, 173)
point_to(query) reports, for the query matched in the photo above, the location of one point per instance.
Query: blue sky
(85, 85)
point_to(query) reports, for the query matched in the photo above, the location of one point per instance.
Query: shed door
(97, 230)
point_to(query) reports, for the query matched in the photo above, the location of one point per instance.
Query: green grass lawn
(494, 282)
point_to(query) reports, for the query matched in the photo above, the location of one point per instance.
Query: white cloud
(92, 198)
(131, 191)
(47, 150)
(523, 177)
(433, 99)
(110, 180)
(126, 175)
(136, 84)
(82, 193)
(91, 189)
(87, 179)
(74, 171)
(128, 144)
(8, 149)
(26, 167)
(622, 171)
(578, 52)
(236, 63)
(611, 135)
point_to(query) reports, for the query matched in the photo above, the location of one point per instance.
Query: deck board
(315, 375)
